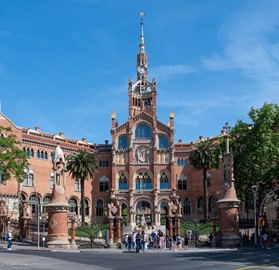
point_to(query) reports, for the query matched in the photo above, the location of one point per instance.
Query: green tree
(203, 158)
(13, 160)
(256, 151)
(82, 165)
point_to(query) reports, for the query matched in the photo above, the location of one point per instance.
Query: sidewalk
(33, 247)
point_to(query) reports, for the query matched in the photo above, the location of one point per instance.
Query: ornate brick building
(142, 169)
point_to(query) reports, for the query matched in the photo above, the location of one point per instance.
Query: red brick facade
(142, 152)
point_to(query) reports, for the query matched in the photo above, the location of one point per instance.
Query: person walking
(138, 242)
(265, 239)
(9, 239)
(186, 242)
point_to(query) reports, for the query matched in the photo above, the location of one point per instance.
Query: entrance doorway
(144, 214)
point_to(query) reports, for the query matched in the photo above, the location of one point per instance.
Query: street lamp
(254, 189)
(30, 171)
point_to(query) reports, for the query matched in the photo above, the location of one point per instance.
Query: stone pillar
(177, 225)
(118, 229)
(170, 226)
(73, 235)
(111, 230)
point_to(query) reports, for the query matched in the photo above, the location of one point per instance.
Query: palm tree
(203, 158)
(82, 165)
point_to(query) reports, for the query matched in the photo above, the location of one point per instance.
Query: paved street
(26, 257)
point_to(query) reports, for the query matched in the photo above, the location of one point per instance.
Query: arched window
(99, 208)
(123, 142)
(164, 181)
(42, 154)
(32, 153)
(164, 211)
(125, 213)
(86, 207)
(186, 206)
(122, 182)
(73, 205)
(38, 155)
(34, 202)
(107, 163)
(143, 132)
(185, 161)
(100, 164)
(143, 181)
(22, 197)
(45, 155)
(46, 200)
(182, 183)
(103, 184)
(163, 142)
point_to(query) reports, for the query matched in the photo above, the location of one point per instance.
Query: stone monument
(229, 204)
(58, 208)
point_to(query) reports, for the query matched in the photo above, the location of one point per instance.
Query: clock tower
(142, 93)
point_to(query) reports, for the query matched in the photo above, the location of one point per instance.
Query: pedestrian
(138, 244)
(186, 242)
(178, 242)
(134, 245)
(23, 238)
(211, 238)
(9, 239)
(170, 242)
(265, 239)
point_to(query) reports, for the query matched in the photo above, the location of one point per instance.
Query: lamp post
(254, 189)
(38, 216)
(30, 171)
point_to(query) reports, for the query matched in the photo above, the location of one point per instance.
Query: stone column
(177, 224)
(73, 235)
(111, 230)
(118, 229)
(170, 226)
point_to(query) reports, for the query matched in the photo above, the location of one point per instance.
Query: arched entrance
(143, 212)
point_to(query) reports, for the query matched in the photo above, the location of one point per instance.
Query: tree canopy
(256, 151)
(82, 165)
(13, 160)
(203, 158)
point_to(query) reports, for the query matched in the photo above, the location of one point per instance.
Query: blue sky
(65, 64)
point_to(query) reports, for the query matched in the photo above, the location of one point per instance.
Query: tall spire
(142, 47)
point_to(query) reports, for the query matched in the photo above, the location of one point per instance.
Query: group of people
(141, 241)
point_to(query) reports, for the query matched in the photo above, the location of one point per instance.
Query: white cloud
(251, 46)
(163, 73)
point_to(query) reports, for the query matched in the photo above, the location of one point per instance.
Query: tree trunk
(205, 194)
(82, 202)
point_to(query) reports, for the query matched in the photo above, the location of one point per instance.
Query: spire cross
(227, 128)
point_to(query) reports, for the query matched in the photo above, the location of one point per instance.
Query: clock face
(141, 69)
